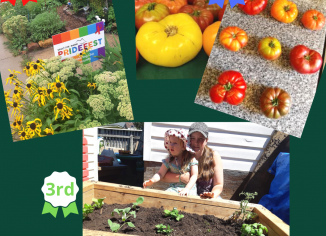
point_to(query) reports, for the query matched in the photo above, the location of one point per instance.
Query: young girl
(179, 161)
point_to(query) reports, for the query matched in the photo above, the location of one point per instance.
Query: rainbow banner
(74, 42)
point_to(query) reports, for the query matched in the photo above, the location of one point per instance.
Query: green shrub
(77, 4)
(45, 25)
(97, 6)
(111, 20)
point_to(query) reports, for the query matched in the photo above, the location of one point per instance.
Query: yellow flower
(27, 69)
(49, 92)
(16, 107)
(18, 122)
(40, 96)
(12, 77)
(35, 68)
(49, 131)
(23, 135)
(91, 85)
(62, 108)
(34, 127)
(31, 88)
(8, 103)
(57, 86)
(40, 62)
(86, 50)
(18, 93)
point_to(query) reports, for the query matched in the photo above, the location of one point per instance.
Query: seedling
(87, 209)
(208, 230)
(253, 229)
(139, 200)
(98, 203)
(246, 215)
(163, 229)
(174, 214)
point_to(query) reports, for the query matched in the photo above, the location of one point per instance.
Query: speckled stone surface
(260, 73)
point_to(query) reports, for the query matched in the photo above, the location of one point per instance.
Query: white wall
(93, 146)
(240, 144)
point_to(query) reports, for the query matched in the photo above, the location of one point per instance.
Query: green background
(25, 164)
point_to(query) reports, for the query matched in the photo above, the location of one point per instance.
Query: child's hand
(148, 183)
(208, 195)
(184, 192)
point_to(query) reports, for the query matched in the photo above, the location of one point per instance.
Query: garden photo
(185, 178)
(62, 67)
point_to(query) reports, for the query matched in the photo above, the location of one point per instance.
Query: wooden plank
(91, 149)
(238, 127)
(271, 231)
(90, 132)
(88, 185)
(88, 192)
(117, 136)
(92, 157)
(90, 140)
(147, 141)
(89, 232)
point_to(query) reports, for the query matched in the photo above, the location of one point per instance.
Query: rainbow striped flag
(73, 43)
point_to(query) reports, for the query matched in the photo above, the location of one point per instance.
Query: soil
(147, 218)
(72, 22)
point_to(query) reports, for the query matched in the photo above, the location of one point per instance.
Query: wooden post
(131, 144)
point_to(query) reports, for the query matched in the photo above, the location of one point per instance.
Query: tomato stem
(275, 102)
(287, 8)
(307, 57)
(271, 44)
(196, 13)
(151, 6)
(228, 86)
(171, 30)
(315, 17)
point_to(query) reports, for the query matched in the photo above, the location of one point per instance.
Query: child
(179, 161)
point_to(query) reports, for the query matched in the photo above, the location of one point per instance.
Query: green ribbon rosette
(71, 208)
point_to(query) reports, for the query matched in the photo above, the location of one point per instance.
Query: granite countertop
(260, 73)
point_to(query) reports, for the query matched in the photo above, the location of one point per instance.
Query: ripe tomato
(173, 5)
(137, 56)
(231, 88)
(221, 13)
(253, 7)
(284, 11)
(214, 9)
(270, 48)
(313, 20)
(305, 60)
(190, 2)
(172, 42)
(203, 17)
(200, 3)
(275, 103)
(140, 3)
(150, 12)
(233, 38)
(209, 36)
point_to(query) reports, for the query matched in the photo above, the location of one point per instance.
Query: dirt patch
(72, 22)
(147, 218)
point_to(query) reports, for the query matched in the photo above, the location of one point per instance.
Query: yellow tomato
(171, 42)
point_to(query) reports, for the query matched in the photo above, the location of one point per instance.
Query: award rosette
(60, 189)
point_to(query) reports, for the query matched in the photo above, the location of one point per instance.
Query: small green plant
(208, 230)
(98, 203)
(111, 21)
(174, 214)
(87, 209)
(253, 229)
(113, 57)
(246, 215)
(163, 229)
(139, 200)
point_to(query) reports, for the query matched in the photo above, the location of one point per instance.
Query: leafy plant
(87, 209)
(244, 206)
(139, 201)
(98, 203)
(97, 6)
(45, 25)
(113, 57)
(163, 229)
(111, 21)
(174, 214)
(253, 229)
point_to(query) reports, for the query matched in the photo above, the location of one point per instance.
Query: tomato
(221, 13)
(137, 56)
(233, 38)
(203, 17)
(172, 42)
(191, 2)
(151, 12)
(313, 20)
(253, 7)
(173, 5)
(275, 103)
(209, 36)
(214, 9)
(231, 88)
(284, 11)
(305, 60)
(270, 48)
(140, 3)
(201, 3)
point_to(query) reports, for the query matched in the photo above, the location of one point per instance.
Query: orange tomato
(137, 56)
(209, 36)
(233, 38)
(313, 20)
(173, 5)
(284, 11)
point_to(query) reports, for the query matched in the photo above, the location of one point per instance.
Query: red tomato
(231, 88)
(209, 36)
(140, 3)
(275, 103)
(200, 3)
(233, 38)
(173, 5)
(151, 12)
(203, 17)
(190, 2)
(221, 13)
(313, 20)
(270, 48)
(137, 56)
(305, 60)
(214, 9)
(253, 7)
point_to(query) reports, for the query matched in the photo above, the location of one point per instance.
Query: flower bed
(204, 209)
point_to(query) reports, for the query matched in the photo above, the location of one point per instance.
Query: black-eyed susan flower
(34, 127)
(8, 102)
(27, 69)
(16, 107)
(23, 135)
(17, 94)
(48, 131)
(40, 62)
(30, 87)
(12, 76)
(18, 122)
(62, 108)
(49, 92)
(40, 96)
(35, 68)
(57, 86)
(91, 85)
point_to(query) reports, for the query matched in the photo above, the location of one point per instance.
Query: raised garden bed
(120, 194)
